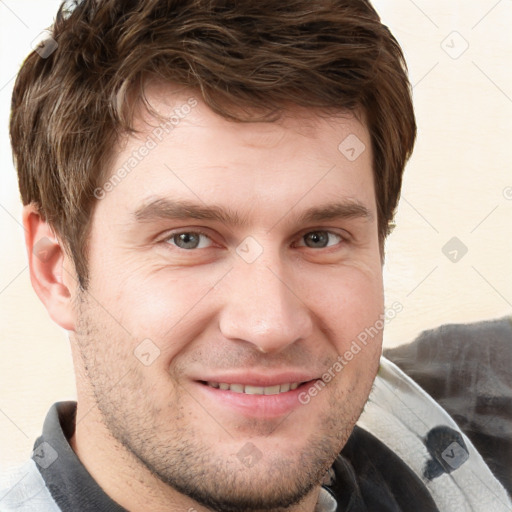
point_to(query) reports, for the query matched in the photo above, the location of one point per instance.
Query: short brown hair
(70, 108)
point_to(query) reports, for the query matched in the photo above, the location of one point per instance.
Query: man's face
(240, 254)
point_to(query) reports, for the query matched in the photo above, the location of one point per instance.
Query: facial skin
(154, 436)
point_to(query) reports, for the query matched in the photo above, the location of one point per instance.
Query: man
(208, 186)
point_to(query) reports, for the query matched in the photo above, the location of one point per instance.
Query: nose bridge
(261, 307)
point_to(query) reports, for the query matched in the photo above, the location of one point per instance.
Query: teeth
(255, 390)
(272, 390)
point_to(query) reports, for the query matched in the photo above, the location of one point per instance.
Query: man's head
(247, 60)
(220, 177)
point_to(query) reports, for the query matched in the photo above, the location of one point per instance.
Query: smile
(255, 390)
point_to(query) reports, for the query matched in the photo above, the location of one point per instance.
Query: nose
(263, 309)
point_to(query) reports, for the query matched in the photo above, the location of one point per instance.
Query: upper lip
(259, 379)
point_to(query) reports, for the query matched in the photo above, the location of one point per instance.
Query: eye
(189, 240)
(320, 239)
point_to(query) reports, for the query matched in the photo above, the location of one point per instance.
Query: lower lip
(257, 406)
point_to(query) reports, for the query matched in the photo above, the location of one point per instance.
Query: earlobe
(47, 259)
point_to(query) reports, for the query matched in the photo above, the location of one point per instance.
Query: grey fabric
(24, 490)
(412, 425)
(467, 369)
(67, 479)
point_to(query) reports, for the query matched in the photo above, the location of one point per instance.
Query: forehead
(190, 152)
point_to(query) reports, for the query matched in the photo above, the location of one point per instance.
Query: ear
(51, 271)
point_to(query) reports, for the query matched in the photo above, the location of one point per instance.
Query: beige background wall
(458, 184)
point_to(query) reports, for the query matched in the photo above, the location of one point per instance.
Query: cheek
(349, 304)
(170, 310)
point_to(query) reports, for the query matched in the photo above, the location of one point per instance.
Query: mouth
(255, 401)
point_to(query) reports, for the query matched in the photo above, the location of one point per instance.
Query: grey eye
(320, 239)
(186, 240)
(189, 240)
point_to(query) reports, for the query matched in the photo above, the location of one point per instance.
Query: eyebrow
(347, 209)
(164, 208)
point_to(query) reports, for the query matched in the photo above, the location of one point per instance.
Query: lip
(254, 406)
